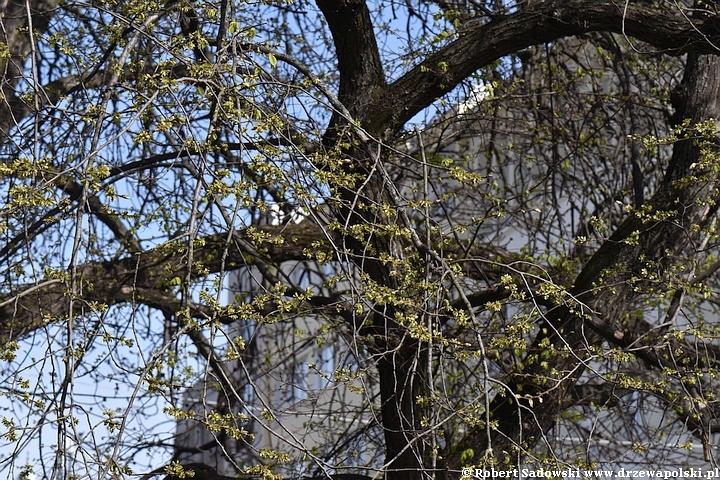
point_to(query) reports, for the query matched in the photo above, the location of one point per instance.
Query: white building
(306, 400)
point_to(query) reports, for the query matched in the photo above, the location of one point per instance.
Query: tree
(539, 261)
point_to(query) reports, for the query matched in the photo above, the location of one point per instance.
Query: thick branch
(481, 44)
(140, 278)
(356, 48)
(590, 394)
(121, 232)
(16, 35)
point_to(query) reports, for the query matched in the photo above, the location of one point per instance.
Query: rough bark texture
(17, 15)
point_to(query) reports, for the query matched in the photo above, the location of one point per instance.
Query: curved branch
(483, 43)
(146, 277)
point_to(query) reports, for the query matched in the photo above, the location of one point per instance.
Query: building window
(327, 366)
(248, 398)
(247, 329)
(300, 382)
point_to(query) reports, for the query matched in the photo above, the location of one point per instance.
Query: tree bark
(17, 16)
(146, 277)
